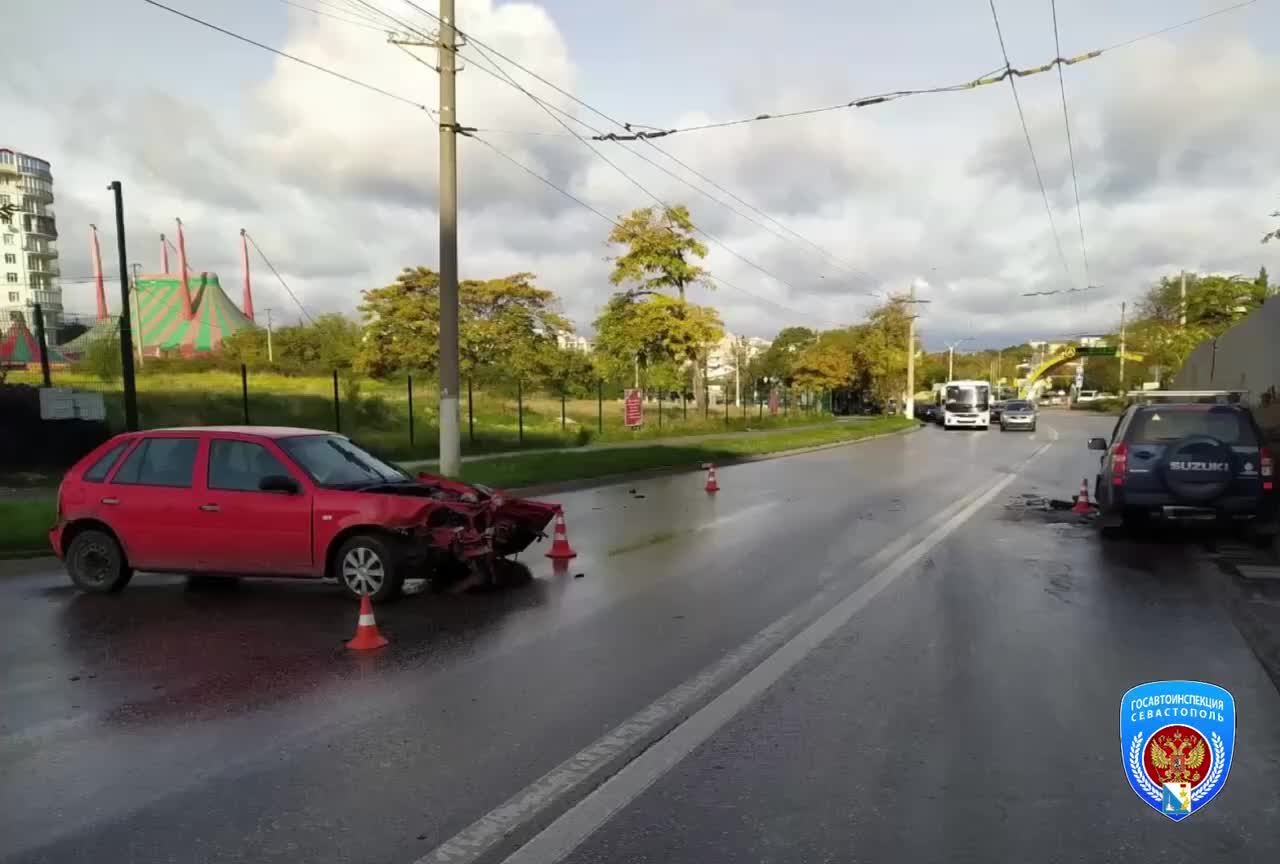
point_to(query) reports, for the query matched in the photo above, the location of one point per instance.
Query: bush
(103, 359)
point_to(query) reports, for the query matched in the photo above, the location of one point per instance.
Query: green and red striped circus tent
(160, 325)
(18, 346)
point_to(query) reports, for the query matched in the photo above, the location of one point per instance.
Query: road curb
(653, 473)
(11, 565)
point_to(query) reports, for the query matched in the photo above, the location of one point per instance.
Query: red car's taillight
(1268, 469)
(1119, 463)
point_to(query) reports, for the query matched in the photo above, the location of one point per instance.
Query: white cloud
(1174, 142)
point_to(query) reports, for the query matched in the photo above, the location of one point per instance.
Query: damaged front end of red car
(471, 524)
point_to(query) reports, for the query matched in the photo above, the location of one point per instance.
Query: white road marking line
(570, 830)
(737, 514)
(529, 809)
(524, 812)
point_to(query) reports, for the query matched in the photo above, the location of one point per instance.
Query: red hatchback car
(267, 501)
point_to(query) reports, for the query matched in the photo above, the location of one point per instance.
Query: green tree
(824, 365)
(778, 360)
(329, 342)
(882, 347)
(570, 371)
(247, 346)
(645, 331)
(103, 359)
(401, 324)
(506, 327)
(660, 253)
(1214, 302)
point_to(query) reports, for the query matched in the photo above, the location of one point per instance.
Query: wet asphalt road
(967, 713)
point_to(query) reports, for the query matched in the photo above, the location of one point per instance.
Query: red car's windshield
(331, 460)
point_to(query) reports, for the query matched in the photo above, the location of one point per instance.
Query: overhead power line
(826, 253)
(1071, 154)
(664, 169)
(993, 77)
(658, 199)
(366, 23)
(292, 57)
(472, 40)
(1163, 30)
(471, 134)
(287, 289)
(1044, 196)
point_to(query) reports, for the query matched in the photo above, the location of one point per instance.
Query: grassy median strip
(535, 469)
(25, 524)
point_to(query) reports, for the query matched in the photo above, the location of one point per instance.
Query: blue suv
(1187, 460)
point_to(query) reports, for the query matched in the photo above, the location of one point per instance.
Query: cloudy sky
(1175, 145)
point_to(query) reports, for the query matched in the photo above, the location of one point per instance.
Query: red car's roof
(260, 431)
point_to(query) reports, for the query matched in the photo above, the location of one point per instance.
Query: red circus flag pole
(164, 255)
(244, 260)
(97, 273)
(182, 274)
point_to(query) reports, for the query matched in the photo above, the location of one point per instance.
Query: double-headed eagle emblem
(1177, 757)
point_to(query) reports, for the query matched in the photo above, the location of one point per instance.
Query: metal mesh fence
(397, 416)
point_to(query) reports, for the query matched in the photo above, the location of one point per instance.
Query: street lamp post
(951, 356)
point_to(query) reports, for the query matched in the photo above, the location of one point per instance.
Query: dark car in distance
(1187, 460)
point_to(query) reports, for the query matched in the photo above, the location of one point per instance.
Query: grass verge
(25, 524)
(535, 469)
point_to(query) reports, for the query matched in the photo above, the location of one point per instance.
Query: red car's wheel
(367, 564)
(95, 562)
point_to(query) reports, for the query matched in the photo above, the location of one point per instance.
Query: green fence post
(409, 386)
(520, 409)
(600, 406)
(337, 411)
(471, 415)
(562, 417)
(42, 345)
(244, 391)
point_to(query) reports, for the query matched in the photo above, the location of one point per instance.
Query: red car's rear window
(99, 470)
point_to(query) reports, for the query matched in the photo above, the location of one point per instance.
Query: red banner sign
(633, 408)
(773, 402)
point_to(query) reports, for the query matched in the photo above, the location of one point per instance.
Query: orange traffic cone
(712, 485)
(367, 636)
(560, 548)
(1082, 500)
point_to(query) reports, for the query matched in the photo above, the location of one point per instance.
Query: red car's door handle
(209, 508)
(112, 501)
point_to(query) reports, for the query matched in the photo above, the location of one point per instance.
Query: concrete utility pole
(450, 419)
(137, 312)
(270, 355)
(1182, 304)
(1122, 390)
(737, 373)
(909, 404)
